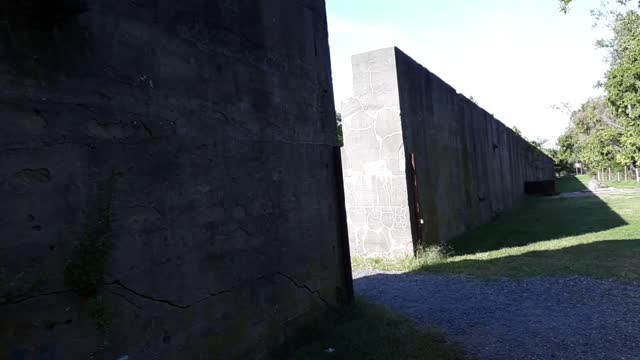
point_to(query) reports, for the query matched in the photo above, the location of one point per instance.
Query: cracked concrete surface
(374, 161)
(218, 117)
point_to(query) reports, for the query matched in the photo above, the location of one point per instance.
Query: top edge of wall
(385, 49)
(399, 53)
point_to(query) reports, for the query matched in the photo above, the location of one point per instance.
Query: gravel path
(536, 318)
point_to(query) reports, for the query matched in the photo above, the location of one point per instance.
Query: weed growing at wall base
(427, 257)
(102, 316)
(84, 270)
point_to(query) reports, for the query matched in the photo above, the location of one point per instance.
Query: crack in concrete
(126, 299)
(303, 286)
(211, 295)
(148, 297)
(171, 303)
(33, 297)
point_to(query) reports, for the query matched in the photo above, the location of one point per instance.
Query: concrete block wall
(455, 165)
(217, 120)
(374, 161)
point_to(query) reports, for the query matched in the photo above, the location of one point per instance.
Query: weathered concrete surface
(374, 162)
(217, 118)
(413, 145)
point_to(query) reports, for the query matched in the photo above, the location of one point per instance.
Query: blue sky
(515, 57)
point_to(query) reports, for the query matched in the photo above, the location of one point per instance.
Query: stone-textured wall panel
(374, 168)
(216, 120)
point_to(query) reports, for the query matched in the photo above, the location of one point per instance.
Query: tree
(569, 147)
(517, 131)
(539, 143)
(601, 149)
(593, 137)
(564, 4)
(623, 83)
(615, 130)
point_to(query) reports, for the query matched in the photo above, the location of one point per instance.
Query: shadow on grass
(569, 184)
(540, 219)
(619, 259)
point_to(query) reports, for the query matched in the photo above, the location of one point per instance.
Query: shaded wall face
(463, 166)
(378, 212)
(469, 166)
(216, 120)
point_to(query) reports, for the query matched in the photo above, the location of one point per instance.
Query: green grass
(589, 236)
(629, 184)
(578, 183)
(569, 184)
(365, 331)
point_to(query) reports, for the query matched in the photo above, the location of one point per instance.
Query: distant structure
(422, 163)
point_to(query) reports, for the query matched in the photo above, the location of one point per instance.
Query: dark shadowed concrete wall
(217, 119)
(413, 145)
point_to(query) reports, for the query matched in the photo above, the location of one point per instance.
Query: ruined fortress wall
(462, 166)
(207, 129)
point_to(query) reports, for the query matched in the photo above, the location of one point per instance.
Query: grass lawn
(365, 331)
(629, 184)
(568, 184)
(590, 236)
(578, 183)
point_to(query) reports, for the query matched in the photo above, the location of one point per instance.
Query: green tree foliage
(594, 137)
(623, 83)
(569, 147)
(601, 149)
(517, 131)
(564, 5)
(606, 132)
(539, 143)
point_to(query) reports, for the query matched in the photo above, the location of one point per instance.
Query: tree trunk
(637, 175)
(619, 179)
(609, 174)
(626, 174)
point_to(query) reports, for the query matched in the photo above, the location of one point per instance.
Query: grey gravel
(536, 318)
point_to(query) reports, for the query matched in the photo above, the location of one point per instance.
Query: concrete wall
(217, 119)
(462, 166)
(374, 162)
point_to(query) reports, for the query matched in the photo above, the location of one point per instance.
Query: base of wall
(545, 187)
